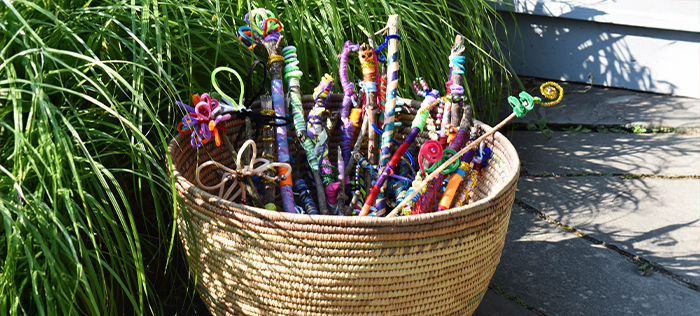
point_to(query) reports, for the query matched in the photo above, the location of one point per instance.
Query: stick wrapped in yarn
(318, 132)
(293, 74)
(347, 129)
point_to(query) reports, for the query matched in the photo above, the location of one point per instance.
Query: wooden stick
(295, 100)
(369, 74)
(391, 90)
(456, 79)
(452, 159)
(276, 64)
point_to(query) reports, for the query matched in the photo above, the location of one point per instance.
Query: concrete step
(561, 274)
(656, 219)
(574, 152)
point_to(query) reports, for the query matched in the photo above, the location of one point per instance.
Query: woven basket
(253, 261)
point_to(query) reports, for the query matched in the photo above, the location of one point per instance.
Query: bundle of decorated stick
(411, 179)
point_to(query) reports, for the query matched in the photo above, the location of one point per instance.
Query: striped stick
(292, 75)
(392, 86)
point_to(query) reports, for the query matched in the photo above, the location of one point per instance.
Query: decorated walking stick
(353, 160)
(368, 61)
(266, 30)
(316, 129)
(520, 105)
(269, 151)
(347, 129)
(455, 88)
(293, 74)
(392, 86)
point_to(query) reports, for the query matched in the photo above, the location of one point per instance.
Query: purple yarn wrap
(347, 130)
(282, 146)
(456, 89)
(274, 36)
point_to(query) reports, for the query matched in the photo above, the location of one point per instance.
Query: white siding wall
(648, 45)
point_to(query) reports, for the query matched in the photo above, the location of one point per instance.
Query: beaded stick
(293, 74)
(520, 108)
(269, 152)
(271, 42)
(392, 85)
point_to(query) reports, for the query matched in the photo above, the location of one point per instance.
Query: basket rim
(348, 221)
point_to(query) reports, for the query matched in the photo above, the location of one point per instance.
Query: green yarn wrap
(421, 118)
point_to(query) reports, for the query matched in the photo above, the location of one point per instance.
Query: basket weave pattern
(252, 261)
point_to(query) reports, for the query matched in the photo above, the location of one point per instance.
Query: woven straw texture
(251, 261)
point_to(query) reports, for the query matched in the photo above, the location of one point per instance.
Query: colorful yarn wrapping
(201, 122)
(456, 64)
(292, 74)
(316, 130)
(452, 186)
(389, 111)
(264, 24)
(381, 93)
(347, 129)
(282, 146)
(302, 191)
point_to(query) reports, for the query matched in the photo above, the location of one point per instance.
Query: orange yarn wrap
(452, 187)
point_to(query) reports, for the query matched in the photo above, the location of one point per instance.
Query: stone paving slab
(657, 219)
(564, 275)
(570, 152)
(496, 305)
(611, 106)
